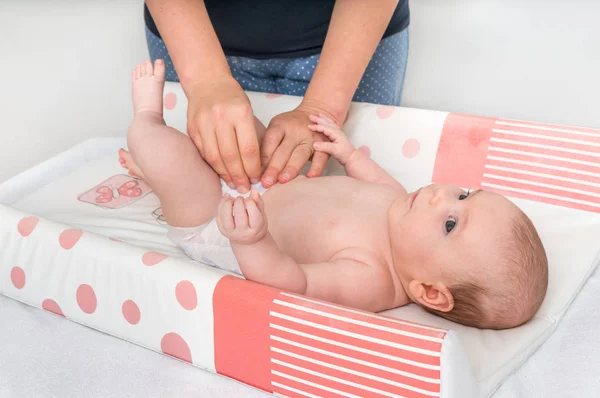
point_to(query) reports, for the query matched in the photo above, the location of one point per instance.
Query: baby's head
(475, 259)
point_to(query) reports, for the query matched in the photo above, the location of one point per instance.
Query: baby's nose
(438, 197)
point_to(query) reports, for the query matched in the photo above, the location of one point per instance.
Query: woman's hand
(288, 145)
(221, 124)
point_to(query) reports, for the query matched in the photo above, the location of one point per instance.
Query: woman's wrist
(335, 112)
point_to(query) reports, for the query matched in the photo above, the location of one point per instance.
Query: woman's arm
(186, 29)
(220, 119)
(355, 30)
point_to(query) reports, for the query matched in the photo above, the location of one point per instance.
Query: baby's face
(441, 232)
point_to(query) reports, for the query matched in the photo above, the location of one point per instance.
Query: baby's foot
(148, 84)
(127, 163)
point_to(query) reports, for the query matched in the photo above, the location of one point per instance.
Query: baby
(358, 240)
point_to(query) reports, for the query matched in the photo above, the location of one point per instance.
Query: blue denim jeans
(381, 83)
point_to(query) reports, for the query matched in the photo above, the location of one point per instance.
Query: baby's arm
(346, 279)
(357, 163)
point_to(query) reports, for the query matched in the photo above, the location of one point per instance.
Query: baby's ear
(436, 296)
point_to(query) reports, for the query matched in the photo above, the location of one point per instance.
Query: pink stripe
(549, 162)
(544, 180)
(362, 381)
(390, 363)
(556, 202)
(384, 374)
(301, 386)
(541, 141)
(416, 328)
(551, 191)
(554, 126)
(396, 352)
(549, 134)
(542, 170)
(362, 330)
(544, 151)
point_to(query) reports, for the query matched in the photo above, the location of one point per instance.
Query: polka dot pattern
(170, 101)
(51, 306)
(131, 312)
(17, 277)
(381, 83)
(172, 344)
(411, 148)
(383, 112)
(186, 295)
(150, 259)
(69, 238)
(27, 225)
(86, 299)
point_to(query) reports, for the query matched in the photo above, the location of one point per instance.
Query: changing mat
(83, 240)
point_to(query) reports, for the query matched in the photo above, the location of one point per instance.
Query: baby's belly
(313, 219)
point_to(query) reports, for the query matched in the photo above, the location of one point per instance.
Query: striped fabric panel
(293, 346)
(546, 163)
(318, 349)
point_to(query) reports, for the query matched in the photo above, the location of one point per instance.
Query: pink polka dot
(273, 95)
(186, 295)
(86, 299)
(170, 101)
(17, 276)
(69, 237)
(411, 148)
(131, 312)
(383, 112)
(152, 258)
(27, 225)
(50, 305)
(172, 344)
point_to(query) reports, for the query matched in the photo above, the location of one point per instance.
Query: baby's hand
(339, 147)
(242, 220)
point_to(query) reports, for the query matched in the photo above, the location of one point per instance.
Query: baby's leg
(188, 188)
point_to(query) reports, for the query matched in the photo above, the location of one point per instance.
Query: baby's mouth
(412, 197)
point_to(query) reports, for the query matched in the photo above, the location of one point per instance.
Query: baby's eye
(450, 224)
(463, 196)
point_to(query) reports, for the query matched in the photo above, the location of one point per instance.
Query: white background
(65, 68)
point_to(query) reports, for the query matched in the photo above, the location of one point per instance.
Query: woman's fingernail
(254, 180)
(285, 176)
(269, 180)
(242, 189)
(231, 185)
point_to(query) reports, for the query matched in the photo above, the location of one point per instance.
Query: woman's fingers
(210, 149)
(278, 161)
(271, 141)
(229, 152)
(296, 162)
(318, 163)
(249, 149)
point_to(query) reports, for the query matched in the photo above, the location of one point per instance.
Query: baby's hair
(520, 292)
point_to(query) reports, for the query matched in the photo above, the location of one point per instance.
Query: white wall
(536, 60)
(66, 66)
(66, 69)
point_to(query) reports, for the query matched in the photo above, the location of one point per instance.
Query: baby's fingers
(240, 214)
(255, 216)
(225, 220)
(331, 133)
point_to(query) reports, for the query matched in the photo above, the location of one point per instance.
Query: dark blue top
(277, 28)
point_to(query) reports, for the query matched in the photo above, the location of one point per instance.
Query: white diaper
(205, 243)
